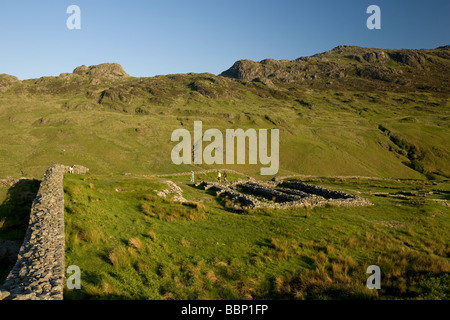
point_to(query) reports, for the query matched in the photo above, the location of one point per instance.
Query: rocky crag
(7, 81)
(348, 68)
(389, 68)
(105, 70)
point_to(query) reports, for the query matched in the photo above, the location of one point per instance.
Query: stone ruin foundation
(282, 194)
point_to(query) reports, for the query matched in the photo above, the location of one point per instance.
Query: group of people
(219, 176)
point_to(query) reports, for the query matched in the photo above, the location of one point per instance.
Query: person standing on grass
(192, 176)
(224, 176)
(218, 176)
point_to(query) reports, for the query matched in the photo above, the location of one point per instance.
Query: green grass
(331, 132)
(130, 244)
(321, 253)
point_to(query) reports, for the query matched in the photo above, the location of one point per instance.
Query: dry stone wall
(39, 273)
(80, 169)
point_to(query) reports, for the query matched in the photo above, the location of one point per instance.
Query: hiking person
(224, 176)
(218, 176)
(192, 176)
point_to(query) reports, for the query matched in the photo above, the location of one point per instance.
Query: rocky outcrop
(7, 81)
(379, 73)
(377, 56)
(410, 68)
(412, 58)
(245, 70)
(105, 70)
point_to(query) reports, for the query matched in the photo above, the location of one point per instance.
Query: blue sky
(162, 37)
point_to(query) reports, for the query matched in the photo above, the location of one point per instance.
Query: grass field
(349, 119)
(131, 244)
(329, 133)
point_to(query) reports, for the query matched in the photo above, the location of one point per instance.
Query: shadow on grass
(14, 218)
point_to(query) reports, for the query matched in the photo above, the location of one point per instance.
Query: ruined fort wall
(39, 273)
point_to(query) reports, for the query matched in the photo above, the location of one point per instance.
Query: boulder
(375, 56)
(411, 58)
(244, 69)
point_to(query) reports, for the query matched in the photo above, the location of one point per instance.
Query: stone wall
(267, 192)
(39, 273)
(310, 188)
(281, 194)
(80, 169)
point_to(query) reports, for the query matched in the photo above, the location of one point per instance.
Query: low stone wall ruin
(39, 273)
(281, 194)
(313, 189)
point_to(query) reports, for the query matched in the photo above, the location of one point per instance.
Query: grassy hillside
(131, 244)
(330, 124)
(367, 113)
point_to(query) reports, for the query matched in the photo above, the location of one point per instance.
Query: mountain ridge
(388, 65)
(347, 111)
(411, 57)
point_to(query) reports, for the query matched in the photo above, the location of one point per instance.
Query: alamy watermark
(74, 281)
(374, 21)
(374, 281)
(74, 20)
(190, 151)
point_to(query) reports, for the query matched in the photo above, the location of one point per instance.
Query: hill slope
(348, 111)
